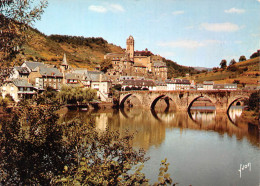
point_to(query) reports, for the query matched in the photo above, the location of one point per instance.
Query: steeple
(64, 65)
(64, 61)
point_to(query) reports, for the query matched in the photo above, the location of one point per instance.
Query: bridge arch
(157, 98)
(125, 97)
(234, 100)
(197, 97)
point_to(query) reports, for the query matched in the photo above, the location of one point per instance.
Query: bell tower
(130, 44)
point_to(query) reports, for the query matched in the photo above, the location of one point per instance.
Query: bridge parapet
(222, 99)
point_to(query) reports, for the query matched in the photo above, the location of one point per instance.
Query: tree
(37, 149)
(254, 101)
(70, 95)
(223, 64)
(256, 54)
(16, 17)
(31, 146)
(242, 58)
(232, 62)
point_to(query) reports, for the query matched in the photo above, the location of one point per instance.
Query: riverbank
(251, 117)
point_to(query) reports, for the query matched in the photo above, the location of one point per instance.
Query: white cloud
(107, 7)
(235, 10)
(220, 27)
(99, 9)
(116, 8)
(178, 12)
(258, 1)
(190, 44)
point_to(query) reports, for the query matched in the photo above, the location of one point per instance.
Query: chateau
(136, 63)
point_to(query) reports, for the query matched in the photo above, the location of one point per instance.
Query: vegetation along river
(203, 148)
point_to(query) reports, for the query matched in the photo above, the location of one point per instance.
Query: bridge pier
(183, 99)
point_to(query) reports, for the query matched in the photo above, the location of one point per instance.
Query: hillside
(245, 72)
(81, 52)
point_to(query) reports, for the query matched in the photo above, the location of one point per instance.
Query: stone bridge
(183, 100)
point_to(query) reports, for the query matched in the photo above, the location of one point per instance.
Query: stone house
(19, 73)
(42, 77)
(208, 85)
(18, 89)
(178, 84)
(139, 84)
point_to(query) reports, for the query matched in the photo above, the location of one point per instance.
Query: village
(132, 70)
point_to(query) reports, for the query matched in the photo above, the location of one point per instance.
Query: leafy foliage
(73, 95)
(15, 18)
(232, 62)
(223, 64)
(36, 149)
(31, 146)
(242, 58)
(176, 70)
(254, 101)
(102, 158)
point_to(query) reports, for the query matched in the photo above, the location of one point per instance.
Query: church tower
(64, 65)
(130, 44)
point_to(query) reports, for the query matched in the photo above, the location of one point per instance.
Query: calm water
(203, 148)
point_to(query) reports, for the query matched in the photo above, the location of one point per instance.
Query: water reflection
(150, 126)
(202, 146)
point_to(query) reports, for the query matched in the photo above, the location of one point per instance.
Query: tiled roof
(138, 83)
(22, 70)
(21, 83)
(122, 78)
(208, 83)
(74, 76)
(47, 71)
(159, 83)
(95, 76)
(159, 64)
(218, 86)
(33, 65)
(177, 81)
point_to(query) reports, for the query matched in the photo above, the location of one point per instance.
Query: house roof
(97, 76)
(122, 78)
(21, 83)
(218, 86)
(138, 83)
(33, 65)
(159, 64)
(47, 71)
(74, 76)
(208, 83)
(177, 81)
(22, 70)
(159, 83)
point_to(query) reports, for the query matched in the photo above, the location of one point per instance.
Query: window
(28, 89)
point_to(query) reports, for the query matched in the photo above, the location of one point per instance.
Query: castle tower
(130, 44)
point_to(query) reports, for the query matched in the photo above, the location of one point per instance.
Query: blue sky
(190, 32)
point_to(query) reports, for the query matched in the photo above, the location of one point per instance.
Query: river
(203, 148)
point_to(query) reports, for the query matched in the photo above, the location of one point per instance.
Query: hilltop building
(136, 63)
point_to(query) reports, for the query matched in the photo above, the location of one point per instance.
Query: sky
(189, 32)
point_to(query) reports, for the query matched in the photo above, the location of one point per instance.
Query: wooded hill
(244, 72)
(81, 52)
